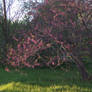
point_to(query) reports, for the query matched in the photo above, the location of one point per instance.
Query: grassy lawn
(43, 80)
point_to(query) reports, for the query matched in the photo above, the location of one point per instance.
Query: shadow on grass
(43, 78)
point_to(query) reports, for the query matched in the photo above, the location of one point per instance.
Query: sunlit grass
(21, 87)
(43, 80)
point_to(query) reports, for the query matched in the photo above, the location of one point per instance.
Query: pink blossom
(46, 1)
(24, 46)
(27, 64)
(37, 64)
(15, 38)
(64, 59)
(18, 45)
(67, 46)
(13, 64)
(28, 39)
(7, 69)
(40, 44)
(90, 42)
(53, 63)
(33, 66)
(62, 13)
(34, 41)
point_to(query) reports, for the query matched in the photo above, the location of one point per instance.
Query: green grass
(43, 80)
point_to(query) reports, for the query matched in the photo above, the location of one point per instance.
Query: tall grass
(43, 80)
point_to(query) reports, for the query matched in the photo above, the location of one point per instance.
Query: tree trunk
(79, 64)
(81, 67)
(5, 29)
(5, 32)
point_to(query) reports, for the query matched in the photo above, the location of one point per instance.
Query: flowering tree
(68, 23)
(58, 34)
